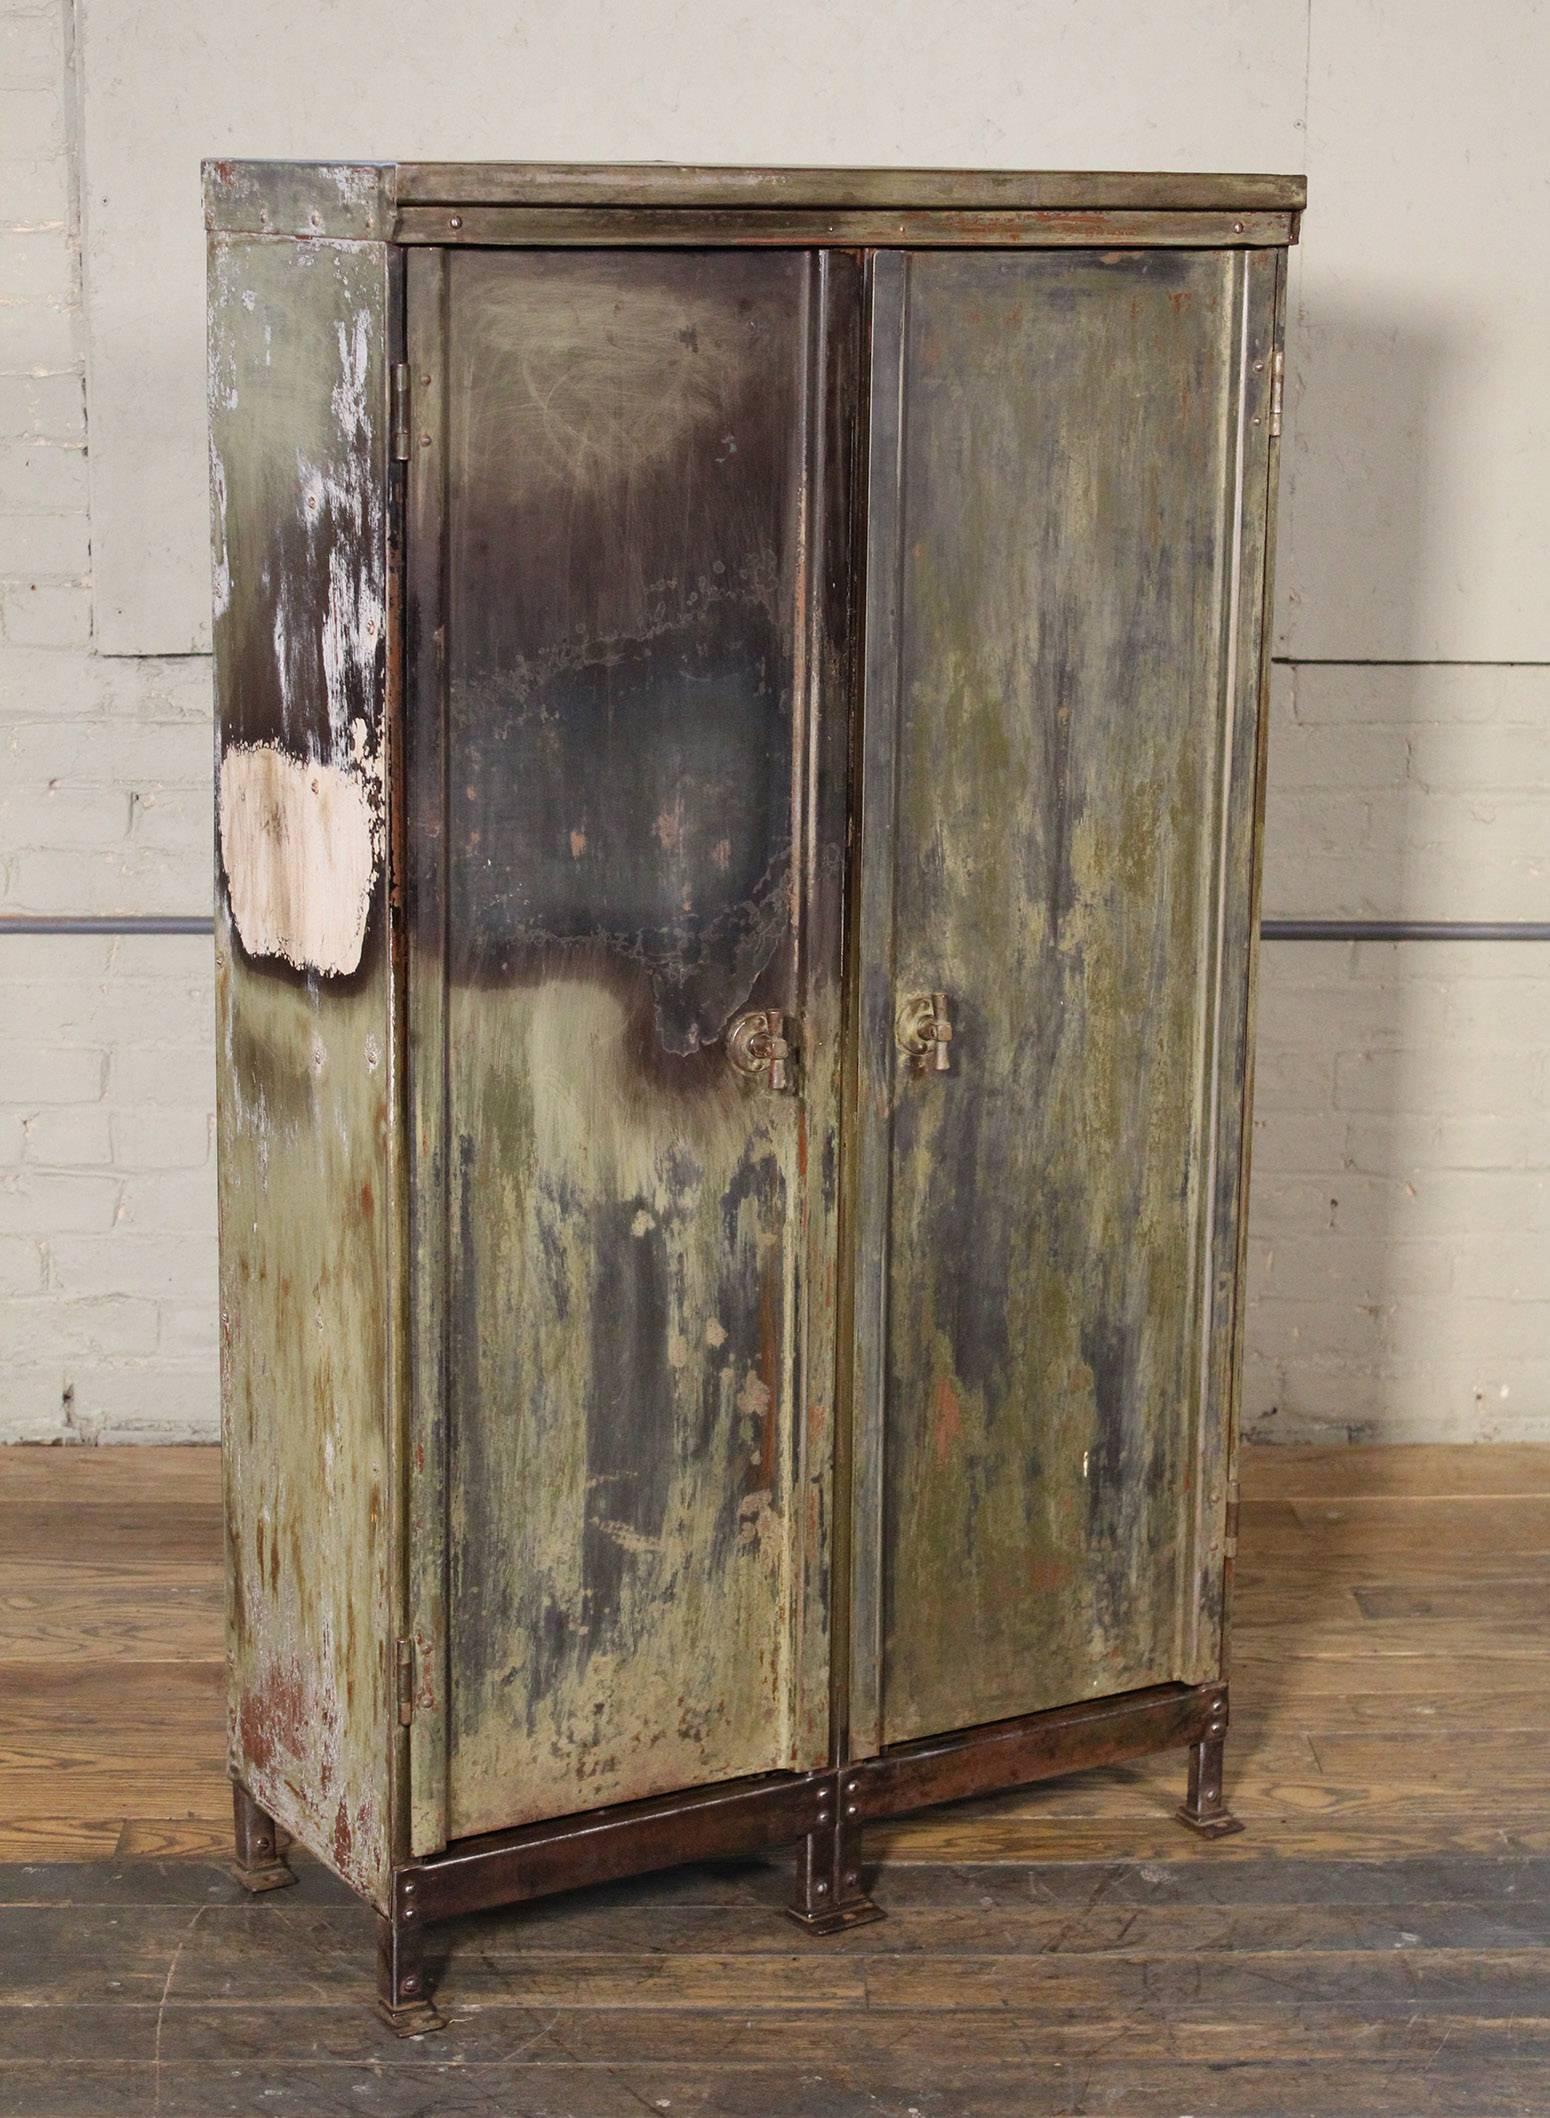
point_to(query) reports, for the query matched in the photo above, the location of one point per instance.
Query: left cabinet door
(626, 571)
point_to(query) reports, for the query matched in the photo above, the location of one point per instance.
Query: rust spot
(343, 1839)
(946, 1420)
(368, 1201)
(272, 1718)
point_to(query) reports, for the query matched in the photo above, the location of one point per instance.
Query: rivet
(425, 441)
(851, 1881)
(425, 381)
(456, 221)
(409, 1887)
(850, 1808)
(261, 1845)
(409, 1983)
(820, 1888)
(1237, 227)
(1259, 367)
(408, 1912)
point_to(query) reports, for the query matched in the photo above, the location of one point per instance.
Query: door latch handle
(923, 1030)
(759, 1049)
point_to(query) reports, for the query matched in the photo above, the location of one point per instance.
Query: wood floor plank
(1375, 1831)
(1286, 1474)
(189, 1472)
(1052, 2088)
(185, 1700)
(1377, 1941)
(184, 1838)
(56, 1838)
(81, 1626)
(152, 1533)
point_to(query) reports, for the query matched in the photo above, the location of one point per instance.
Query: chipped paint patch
(301, 844)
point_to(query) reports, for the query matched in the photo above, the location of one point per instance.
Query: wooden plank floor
(1378, 1940)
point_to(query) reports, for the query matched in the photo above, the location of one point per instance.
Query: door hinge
(1230, 1539)
(400, 412)
(405, 1682)
(1277, 389)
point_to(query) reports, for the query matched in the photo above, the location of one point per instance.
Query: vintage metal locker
(740, 737)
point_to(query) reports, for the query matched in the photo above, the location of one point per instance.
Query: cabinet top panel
(389, 200)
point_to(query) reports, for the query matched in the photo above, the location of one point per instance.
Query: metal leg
(403, 1989)
(1203, 1809)
(828, 1893)
(260, 1862)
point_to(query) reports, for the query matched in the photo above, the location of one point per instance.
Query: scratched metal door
(636, 463)
(1069, 465)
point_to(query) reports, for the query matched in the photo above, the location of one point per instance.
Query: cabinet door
(1069, 488)
(624, 510)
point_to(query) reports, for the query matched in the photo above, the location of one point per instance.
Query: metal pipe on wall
(1270, 929)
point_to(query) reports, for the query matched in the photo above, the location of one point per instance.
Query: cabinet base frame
(259, 1863)
(823, 1810)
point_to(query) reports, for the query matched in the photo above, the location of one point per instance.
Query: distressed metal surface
(350, 200)
(425, 784)
(951, 228)
(667, 184)
(1206, 1618)
(1054, 733)
(630, 517)
(305, 1074)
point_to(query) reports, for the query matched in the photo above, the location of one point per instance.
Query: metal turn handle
(923, 1030)
(759, 1049)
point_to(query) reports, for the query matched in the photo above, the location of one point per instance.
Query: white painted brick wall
(107, 1195)
(1400, 1228)
(1400, 1221)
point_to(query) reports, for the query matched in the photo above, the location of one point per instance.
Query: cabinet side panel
(1203, 1613)
(298, 402)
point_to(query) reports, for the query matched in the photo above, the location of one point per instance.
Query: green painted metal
(306, 1064)
(1059, 769)
(781, 628)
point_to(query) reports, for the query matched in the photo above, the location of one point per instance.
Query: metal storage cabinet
(740, 706)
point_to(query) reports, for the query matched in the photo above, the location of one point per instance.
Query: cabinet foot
(260, 1857)
(829, 1895)
(403, 1990)
(1203, 1809)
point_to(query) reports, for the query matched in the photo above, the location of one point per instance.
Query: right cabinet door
(1069, 496)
